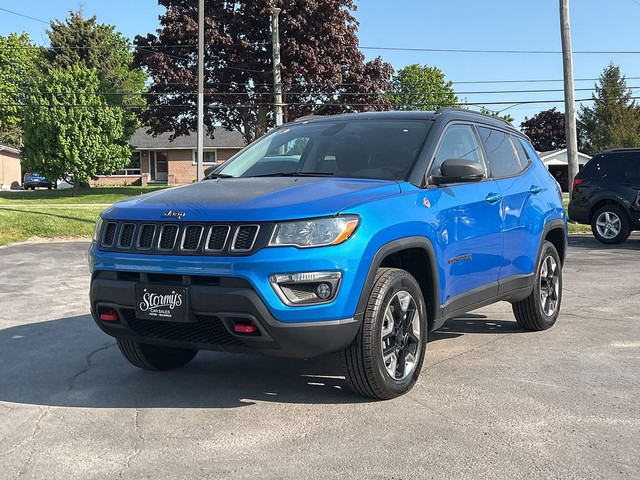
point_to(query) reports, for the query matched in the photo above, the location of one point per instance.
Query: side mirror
(457, 170)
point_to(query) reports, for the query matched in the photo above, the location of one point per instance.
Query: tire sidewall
(623, 234)
(548, 249)
(400, 280)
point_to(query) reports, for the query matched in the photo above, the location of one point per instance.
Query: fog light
(306, 288)
(323, 291)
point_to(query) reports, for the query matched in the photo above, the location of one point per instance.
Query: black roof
(449, 113)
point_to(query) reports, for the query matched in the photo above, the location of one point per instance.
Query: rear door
(510, 168)
(469, 224)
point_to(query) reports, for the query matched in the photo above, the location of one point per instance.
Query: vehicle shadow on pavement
(70, 363)
(589, 242)
(473, 323)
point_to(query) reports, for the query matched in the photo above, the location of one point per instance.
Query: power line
(23, 15)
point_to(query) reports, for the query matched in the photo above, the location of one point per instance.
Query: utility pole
(200, 150)
(569, 96)
(277, 80)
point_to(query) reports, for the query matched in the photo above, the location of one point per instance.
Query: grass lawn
(24, 215)
(87, 195)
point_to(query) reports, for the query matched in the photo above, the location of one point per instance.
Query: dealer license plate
(156, 302)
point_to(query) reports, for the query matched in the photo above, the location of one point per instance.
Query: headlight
(315, 232)
(97, 229)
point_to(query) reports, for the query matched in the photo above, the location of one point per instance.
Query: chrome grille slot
(145, 238)
(191, 237)
(217, 238)
(126, 235)
(245, 238)
(168, 236)
(109, 234)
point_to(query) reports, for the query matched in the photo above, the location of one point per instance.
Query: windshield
(379, 149)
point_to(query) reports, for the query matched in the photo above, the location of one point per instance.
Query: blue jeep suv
(354, 233)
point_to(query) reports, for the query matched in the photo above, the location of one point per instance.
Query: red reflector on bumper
(240, 328)
(109, 316)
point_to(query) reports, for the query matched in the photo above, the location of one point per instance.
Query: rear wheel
(385, 358)
(540, 310)
(155, 357)
(610, 224)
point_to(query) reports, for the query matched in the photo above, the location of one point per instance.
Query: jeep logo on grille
(173, 214)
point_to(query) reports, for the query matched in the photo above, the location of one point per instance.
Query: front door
(469, 224)
(161, 166)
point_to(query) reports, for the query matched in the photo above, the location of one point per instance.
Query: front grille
(168, 237)
(126, 235)
(245, 237)
(206, 329)
(184, 238)
(147, 232)
(109, 233)
(218, 237)
(191, 238)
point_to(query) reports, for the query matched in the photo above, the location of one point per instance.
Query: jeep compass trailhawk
(353, 233)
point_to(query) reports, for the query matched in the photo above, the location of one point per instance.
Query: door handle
(535, 189)
(493, 197)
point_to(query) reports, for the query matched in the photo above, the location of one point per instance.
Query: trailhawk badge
(155, 302)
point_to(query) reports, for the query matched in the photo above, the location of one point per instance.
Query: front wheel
(540, 310)
(385, 358)
(155, 357)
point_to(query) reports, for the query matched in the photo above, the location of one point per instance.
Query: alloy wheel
(401, 335)
(608, 225)
(549, 285)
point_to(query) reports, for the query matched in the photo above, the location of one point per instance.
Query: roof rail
(471, 112)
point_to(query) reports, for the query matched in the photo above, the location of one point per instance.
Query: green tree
(614, 119)
(417, 87)
(19, 59)
(70, 131)
(85, 42)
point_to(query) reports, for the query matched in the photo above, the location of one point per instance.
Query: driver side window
(458, 141)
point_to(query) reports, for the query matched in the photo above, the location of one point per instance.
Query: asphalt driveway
(493, 401)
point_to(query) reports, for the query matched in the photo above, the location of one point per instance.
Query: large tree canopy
(418, 87)
(84, 42)
(69, 129)
(19, 59)
(323, 71)
(614, 119)
(546, 130)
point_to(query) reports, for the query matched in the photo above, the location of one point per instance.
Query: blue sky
(520, 25)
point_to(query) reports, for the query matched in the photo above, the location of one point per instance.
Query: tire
(394, 328)
(155, 357)
(540, 310)
(610, 224)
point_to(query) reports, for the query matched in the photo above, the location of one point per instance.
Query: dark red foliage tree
(323, 71)
(546, 130)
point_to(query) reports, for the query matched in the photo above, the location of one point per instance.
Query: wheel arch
(601, 202)
(416, 255)
(555, 232)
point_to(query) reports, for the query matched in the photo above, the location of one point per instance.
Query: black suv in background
(606, 194)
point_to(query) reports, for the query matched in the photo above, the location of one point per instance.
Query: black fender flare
(413, 242)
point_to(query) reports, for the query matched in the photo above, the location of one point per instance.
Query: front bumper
(214, 311)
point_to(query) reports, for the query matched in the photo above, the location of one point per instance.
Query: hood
(256, 199)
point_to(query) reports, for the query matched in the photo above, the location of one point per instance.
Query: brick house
(9, 167)
(159, 161)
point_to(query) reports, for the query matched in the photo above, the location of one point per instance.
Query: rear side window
(633, 171)
(502, 156)
(600, 165)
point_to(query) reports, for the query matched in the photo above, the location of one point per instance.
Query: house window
(209, 157)
(134, 166)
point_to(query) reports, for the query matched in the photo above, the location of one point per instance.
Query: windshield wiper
(218, 175)
(297, 174)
